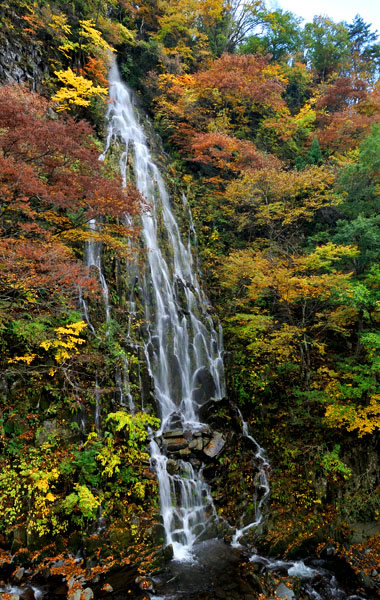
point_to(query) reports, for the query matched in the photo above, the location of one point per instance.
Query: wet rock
(18, 574)
(14, 597)
(196, 444)
(120, 538)
(145, 584)
(366, 581)
(175, 433)
(204, 386)
(176, 444)
(87, 594)
(171, 466)
(28, 594)
(255, 582)
(185, 452)
(51, 429)
(168, 552)
(282, 591)
(215, 445)
(107, 588)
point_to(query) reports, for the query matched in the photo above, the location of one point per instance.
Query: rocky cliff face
(21, 59)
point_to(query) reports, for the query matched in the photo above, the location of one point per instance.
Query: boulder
(18, 575)
(28, 594)
(175, 444)
(282, 591)
(215, 445)
(175, 433)
(185, 452)
(196, 444)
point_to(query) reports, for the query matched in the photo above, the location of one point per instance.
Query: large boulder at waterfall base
(215, 445)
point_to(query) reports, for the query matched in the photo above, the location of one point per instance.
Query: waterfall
(183, 349)
(93, 259)
(261, 481)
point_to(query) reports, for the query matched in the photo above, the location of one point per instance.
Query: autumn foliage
(52, 185)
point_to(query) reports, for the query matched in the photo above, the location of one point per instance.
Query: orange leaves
(226, 152)
(244, 78)
(201, 109)
(96, 70)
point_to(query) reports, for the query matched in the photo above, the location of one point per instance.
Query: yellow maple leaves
(65, 344)
(77, 90)
(67, 341)
(364, 420)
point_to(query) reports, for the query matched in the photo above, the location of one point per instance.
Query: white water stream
(183, 350)
(262, 484)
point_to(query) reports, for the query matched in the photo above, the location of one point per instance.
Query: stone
(77, 595)
(14, 597)
(51, 429)
(173, 434)
(176, 444)
(28, 594)
(366, 581)
(171, 466)
(168, 552)
(87, 594)
(18, 575)
(107, 588)
(196, 444)
(185, 452)
(204, 385)
(282, 591)
(215, 445)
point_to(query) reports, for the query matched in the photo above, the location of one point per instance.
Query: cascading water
(182, 347)
(262, 484)
(93, 259)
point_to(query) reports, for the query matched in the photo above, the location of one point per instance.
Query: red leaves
(244, 77)
(51, 185)
(55, 159)
(347, 110)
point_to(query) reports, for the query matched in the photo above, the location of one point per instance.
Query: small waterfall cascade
(93, 259)
(183, 350)
(262, 484)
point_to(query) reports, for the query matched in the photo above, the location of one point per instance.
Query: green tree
(327, 47)
(281, 36)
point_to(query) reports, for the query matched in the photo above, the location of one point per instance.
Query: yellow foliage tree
(77, 90)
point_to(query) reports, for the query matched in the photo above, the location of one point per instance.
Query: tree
(365, 49)
(327, 47)
(281, 36)
(51, 185)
